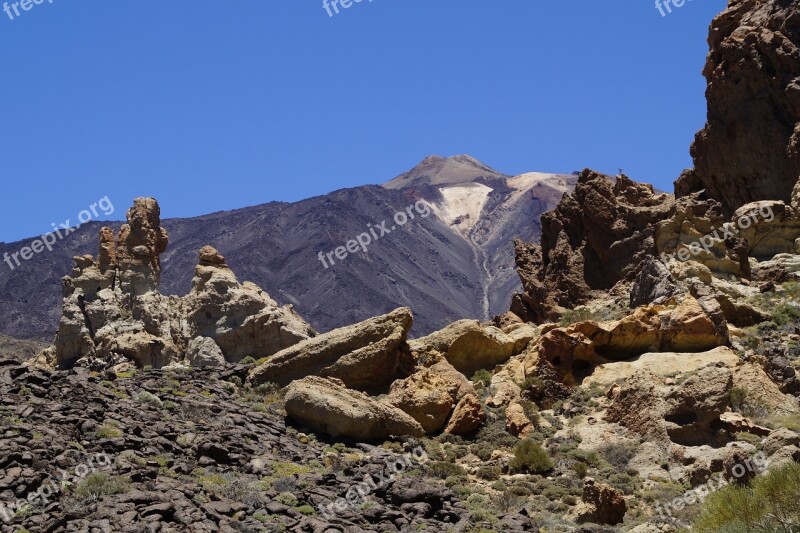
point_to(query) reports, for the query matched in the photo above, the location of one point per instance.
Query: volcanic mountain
(455, 263)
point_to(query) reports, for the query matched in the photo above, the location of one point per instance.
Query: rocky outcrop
(327, 406)
(653, 284)
(469, 346)
(686, 414)
(695, 325)
(112, 307)
(596, 237)
(467, 417)
(600, 504)
(203, 351)
(430, 395)
(241, 318)
(367, 356)
(749, 149)
(695, 233)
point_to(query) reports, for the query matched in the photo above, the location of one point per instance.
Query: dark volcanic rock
(596, 237)
(750, 147)
(187, 451)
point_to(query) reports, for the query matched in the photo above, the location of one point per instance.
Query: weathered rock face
(695, 325)
(430, 395)
(139, 247)
(327, 406)
(469, 346)
(653, 284)
(112, 306)
(686, 414)
(694, 232)
(366, 356)
(600, 504)
(750, 147)
(596, 237)
(467, 416)
(241, 318)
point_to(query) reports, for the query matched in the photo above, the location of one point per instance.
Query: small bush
(483, 450)
(107, 431)
(286, 498)
(619, 454)
(489, 473)
(247, 361)
(581, 469)
(149, 399)
(100, 484)
(483, 377)
(443, 470)
(531, 458)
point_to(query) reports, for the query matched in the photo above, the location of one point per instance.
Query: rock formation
(112, 307)
(749, 149)
(596, 237)
(327, 406)
(366, 356)
(686, 414)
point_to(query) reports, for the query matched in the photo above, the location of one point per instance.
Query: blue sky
(212, 105)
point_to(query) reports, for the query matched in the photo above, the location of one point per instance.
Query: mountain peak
(438, 170)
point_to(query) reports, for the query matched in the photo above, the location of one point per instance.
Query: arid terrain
(589, 354)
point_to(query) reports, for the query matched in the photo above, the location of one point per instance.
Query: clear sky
(212, 105)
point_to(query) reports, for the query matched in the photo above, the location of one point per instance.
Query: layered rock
(695, 232)
(695, 325)
(749, 149)
(595, 238)
(112, 306)
(327, 406)
(366, 356)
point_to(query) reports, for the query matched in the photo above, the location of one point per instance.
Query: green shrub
(483, 377)
(286, 498)
(531, 458)
(483, 450)
(149, 399)
(768, 504)
(618, 454)
(99, 484)
(247, 361)
(581, 469)
(443, 470)
(108, 431)
(489, 473)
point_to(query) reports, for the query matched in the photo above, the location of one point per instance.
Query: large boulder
(367, 356)
(204, 352)
(467, 416)
(328, 407)
(469, 346)
(749, 149)
(600, 504)
(430, 395)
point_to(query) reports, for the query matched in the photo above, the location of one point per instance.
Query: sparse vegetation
(530, 457)
(100, 484)
(769, 504)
